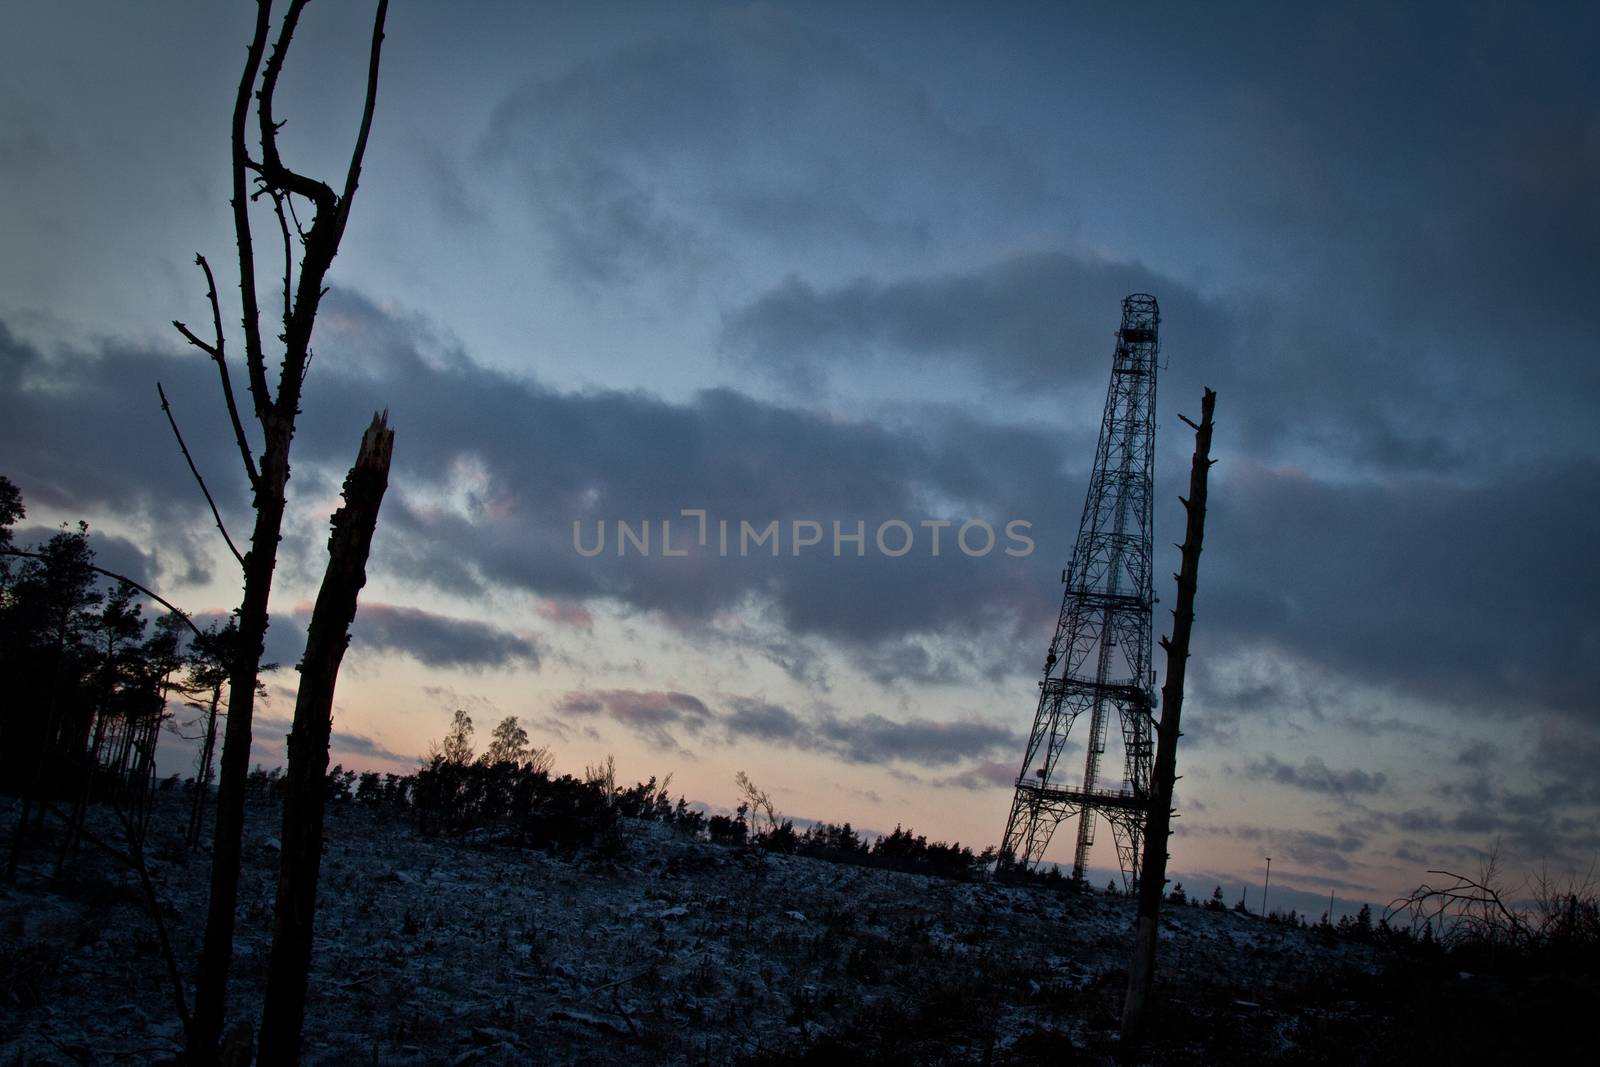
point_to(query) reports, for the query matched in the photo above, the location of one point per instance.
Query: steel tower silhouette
(1099, 660)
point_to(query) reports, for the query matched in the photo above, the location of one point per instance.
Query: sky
(841, 263)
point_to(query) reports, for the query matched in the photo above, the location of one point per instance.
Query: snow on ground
(439, 950)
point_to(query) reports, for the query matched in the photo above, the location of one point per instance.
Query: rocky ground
(435, 950)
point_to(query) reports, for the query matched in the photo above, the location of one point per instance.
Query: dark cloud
(1341, 851)
(657, 716)
(1449, 590)
(910, 660)
(875, 739)
(1294, 379)
(1477, 755)
(1428, 220)
(1539, 809)
(361, 746)
(661, 717)
(1417, 820)
(1034, 321)
(746, 122)
(870, 738)
(1424, 194)
(286, 642)
(1315, 776)
(1410, 852)
(1454, 592)
(269, 732)
(83, 432)
(528, 464)
(990, 775)
(1565, 757)
(762, 721)
(112, 553)
(1460, 591)
(440, 641)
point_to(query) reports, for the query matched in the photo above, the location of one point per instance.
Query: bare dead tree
(1555, 919)
(205, 765)
(1567, 910)
(210, 660)
(1467, 908)
(603, 776)
(758, 800)
(259, 174)
(1163, 778)
(326, 639)
(540, 760)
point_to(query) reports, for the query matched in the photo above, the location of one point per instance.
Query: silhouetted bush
(901, 850)
(726, 830)
(781, 838)
(528, 806)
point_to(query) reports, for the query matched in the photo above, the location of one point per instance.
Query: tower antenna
(1098, 662)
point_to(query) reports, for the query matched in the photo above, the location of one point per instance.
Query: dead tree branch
(242, 165)
(218, 350)
(1466, 908)
(182, 615)
(215, 514)
(278, 201)
(273, 172)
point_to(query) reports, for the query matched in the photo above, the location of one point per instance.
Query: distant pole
(1266, 887)
(1158, 814)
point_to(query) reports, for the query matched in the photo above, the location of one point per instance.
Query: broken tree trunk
(1153, 878)
(305, 788)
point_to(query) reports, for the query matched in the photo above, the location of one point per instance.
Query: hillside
(670, 950)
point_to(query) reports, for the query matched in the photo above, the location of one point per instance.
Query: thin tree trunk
(211, 978)
(305, 784)
(34, 787)
(102, 727)
(1152, 885)
(144, 793)
(80, 803)
(202, 792)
